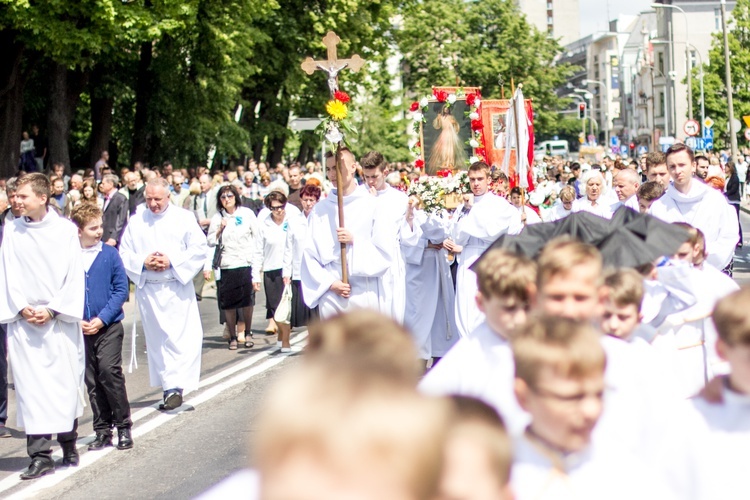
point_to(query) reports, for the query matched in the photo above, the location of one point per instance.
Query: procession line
(86, 459)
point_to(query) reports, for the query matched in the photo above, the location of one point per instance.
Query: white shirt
(274, 241)
(602, 208)
(90, 254)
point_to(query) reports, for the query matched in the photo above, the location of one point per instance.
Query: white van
(551, 148)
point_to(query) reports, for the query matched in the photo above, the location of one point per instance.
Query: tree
(714, 83)
(449, 42)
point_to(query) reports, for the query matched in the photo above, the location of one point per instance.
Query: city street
(182, 453)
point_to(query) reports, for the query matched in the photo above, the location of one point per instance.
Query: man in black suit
(115, 210)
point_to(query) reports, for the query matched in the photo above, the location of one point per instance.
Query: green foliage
(714, 76)
(446, 42)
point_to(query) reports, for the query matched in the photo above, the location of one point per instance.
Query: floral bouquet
(430, 193)
(335, 126)
(455, 186)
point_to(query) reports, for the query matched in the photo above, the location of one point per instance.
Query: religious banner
(494, 120)
(450, 129)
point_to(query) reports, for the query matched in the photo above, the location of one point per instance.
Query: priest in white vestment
(41, 302)
(430, 297)
(392, 203)
(689, 200)
(478, 222)
(368, 249)
(162, 249)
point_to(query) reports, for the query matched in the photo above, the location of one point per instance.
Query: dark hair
(679, 148)
(310, 190)
(575, 166)
(516, 190)
(373, 159)
(731, 168)
(655, 158)
(274, 196)
(224, 189)
(701, 157)
(650, 191)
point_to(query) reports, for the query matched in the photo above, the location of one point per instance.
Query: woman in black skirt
(274, 228)
(236, 229)
(301, 314)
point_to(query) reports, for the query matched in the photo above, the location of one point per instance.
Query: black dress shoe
(39, 467)
(173, 401)
(124, 439)
(70, 454)
(102, 441)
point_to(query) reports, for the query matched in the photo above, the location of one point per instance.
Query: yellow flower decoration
(336, 109)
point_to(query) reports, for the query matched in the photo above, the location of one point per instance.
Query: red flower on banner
(480, 152)
(419, 163)
(441, 95)
(476, 125)
(471, 99)
(418, 144)
(414, 106)
(341, 96)
(444, 173)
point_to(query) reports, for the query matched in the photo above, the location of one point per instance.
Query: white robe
(166, 300)
(47, 361)
(531, 216)
(367, 257)
(705, 208)
(430, 296)
(707, 451)
(631, 202)
(392, 203)
(481, 366)
(556, 212)
(602, 207)
(489, 218)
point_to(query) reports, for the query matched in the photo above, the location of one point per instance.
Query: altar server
(162, 249)
(479, 221)
(368, 249)
(41, 301)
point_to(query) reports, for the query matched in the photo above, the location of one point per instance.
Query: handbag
(283, 312)
(216, 263)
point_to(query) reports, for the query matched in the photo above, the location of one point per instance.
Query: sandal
(233, 345)
(249, 343)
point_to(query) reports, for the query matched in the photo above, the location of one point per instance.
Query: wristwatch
(52, 314)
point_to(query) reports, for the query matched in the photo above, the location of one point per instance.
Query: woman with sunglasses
(236, 229)
(274, 227)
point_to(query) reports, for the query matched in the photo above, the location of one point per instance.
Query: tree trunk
(101, 118)
(276, 151)
(143, 96)
(11, 102)
(64, 92)
(304, 153)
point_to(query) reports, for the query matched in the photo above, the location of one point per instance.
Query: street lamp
(728, 80)
(606, 103)
(687, 53)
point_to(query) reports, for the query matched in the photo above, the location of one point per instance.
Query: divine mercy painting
(446, 134)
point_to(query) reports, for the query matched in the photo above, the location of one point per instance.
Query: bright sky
(594, 12)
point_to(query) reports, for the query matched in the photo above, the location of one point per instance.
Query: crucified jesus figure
(333, 72)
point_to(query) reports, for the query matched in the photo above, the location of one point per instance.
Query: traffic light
(582, 110)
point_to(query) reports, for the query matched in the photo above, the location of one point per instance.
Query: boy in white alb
(560, 382)
(707, 452)
(481, 365)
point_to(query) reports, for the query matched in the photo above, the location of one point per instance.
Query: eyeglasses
(226, 195)
(277, 208)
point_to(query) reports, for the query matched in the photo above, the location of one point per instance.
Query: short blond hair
(341, 416)
(503, 274)
(369, 336)
(564, 253)
(625, 288)
(567, 193)
(731, 318)
(571, 348)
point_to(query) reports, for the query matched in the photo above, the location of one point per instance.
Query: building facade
(559, 18)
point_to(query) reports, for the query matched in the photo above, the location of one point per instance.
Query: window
(717, 19)
(662, 104)
(660, 62)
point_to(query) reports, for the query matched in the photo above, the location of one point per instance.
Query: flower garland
(430, 192)
(473, 100)
(457, 184)
(336, 124)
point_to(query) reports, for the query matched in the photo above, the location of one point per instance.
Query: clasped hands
(36, 316)
(156, 262)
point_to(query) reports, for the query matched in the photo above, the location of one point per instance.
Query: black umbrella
(630, 239)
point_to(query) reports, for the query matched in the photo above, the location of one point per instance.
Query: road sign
(614, 141)
(708, 122)
(746, 119)
(699, 143)
(708, 144)
(747, 134)
(691, 128)
(623, 149)
(642, 150)
(737, 125)
(708, 133)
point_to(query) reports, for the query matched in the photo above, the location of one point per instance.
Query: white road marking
(61, 474)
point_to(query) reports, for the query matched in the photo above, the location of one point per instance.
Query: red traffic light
(582, 110)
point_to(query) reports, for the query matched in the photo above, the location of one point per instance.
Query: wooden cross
(333, 66)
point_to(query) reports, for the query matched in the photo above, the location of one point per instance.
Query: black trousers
(3, 374)
(104, 379)
(40, 445)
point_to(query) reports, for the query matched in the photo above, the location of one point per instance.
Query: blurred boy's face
(468, 473)
(564, 410)
(575, 294)
(687, 253)
(738, 357)
(643, 205)
(504, 315)
(620, 321)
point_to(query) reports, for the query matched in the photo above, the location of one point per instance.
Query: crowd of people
(544, 378)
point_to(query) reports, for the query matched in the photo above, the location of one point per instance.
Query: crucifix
(333, 66)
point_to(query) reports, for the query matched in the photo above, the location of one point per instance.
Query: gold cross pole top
(333, 65)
